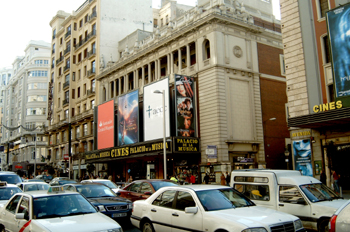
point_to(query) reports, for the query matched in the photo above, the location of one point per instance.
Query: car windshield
(319, 192)
(95, 191)
(219, 199)
(109, 184)
(8, 192)
(61, 206)
(63, 182)
(10, 179)
(35, 187)
(159, 184)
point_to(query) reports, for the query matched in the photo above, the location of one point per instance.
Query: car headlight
(130, 205)
(298, 225)
(101, 208)
(259, 229)
(112, 230)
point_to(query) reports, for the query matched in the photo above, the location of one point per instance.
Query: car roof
(33, 182)
(85, 184)
(43, 193)
(151, 180)
(199, 187)
(9, 185)
(8, 173)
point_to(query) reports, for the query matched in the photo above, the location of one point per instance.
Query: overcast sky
(25, 20)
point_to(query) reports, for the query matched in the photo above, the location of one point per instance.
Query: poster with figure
(338, 26)
(302, 156)
(185, 118)
(105, 129)
(128, 118)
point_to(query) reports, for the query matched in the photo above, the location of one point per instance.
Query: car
(105, 182)
(10, 177)
(339, 222)
(53, 210)
(202, 207)
(33, 180)
(61, 181)
(7, 191)
(104, 199)
(33, 186)
(45, 177)
(142, 189)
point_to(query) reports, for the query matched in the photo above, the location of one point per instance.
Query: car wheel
(324, 227)
(147, 227)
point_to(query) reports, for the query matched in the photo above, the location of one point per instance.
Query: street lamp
(164, 132)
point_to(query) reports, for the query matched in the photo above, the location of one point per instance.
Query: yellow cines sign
(328, 106)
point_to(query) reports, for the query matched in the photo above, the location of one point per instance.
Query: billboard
(338, 26)
(302, 156)
(153, 110)
(128, 118)
(105, 125)
(184, 98)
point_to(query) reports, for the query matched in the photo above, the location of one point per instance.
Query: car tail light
(332, 223)
(133, 207)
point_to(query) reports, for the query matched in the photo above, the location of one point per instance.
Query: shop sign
(129, 150)
(301, 133)
(211, 152)
(186, 144)
(18, 166)
(327, 106)
(76, 167)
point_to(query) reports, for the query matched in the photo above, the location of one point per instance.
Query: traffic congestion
(159, 205)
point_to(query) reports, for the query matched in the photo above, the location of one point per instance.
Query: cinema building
(219, 64)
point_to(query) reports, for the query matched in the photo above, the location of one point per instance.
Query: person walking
(222, 179)
(206, 178)
(173, 178)
(228, 179)
(336, 182)
(323, 177)
(192, 179)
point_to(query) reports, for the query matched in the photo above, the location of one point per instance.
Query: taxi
(7, 191)
(53, 210)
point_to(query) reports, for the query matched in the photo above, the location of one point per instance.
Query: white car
(207, 208)
(105, 182)
(33, 186)
(54, 210)
(7, 191)
(340, 222)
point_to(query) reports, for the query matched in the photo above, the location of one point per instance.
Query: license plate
(119, 215)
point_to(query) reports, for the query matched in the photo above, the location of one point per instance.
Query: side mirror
(301, 201)
(19, 216)
(192, 210)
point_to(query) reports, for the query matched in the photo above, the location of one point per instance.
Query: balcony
(66, 68)
(90, 92)
(92, 16)
(67, 34)
(65, 84)
(92, 53)
(91, 73)
(65, 102)
(59, 60)
(87, 38)
(67, 51)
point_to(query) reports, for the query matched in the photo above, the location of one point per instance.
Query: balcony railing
(91, 72)
(65, 101)
(59, 60)
(90, 92)
(92, 53)
(66, 51)
(92, 16)
(66, 68)
(83, 41)
(65, 84)
(67, 34)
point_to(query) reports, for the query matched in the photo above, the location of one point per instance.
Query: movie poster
(184, 95)
(302, 156)
(105, 129)
(338, 25)
(128, 118)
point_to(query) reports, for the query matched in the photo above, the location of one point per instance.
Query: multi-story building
(318, 106)
(234, 54)
(83, 43)
(5, 75)
(25, 110)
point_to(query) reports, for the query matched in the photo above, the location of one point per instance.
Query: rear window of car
(159, 184)
(10, 179)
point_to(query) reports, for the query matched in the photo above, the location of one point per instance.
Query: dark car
(61, 181)
(142, 189)
(104, 199)
(10, 177)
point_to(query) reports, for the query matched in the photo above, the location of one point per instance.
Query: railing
(83, 41)
(91, 72)
(91, 53)
(65, 101)
(59, 60)
(67, 50)
(65, 84)
(66, 68)
(92, 16)
(67, 34)
(90, 92)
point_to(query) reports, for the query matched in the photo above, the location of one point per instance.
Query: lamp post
(164, 131)
(36, 138)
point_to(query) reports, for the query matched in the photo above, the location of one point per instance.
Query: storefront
(145, 160)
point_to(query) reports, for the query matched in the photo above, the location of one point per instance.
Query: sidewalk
(346, 194)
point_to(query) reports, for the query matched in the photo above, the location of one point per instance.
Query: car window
(24, 207)
(7, 193)
(69, 188)
(11, 207)
(254, 192)
(159, 184)
(183, 200)
(165, 199)
(135, 187)
(146, 187)
(290, 194)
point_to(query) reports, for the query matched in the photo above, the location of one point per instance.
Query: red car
(142, 189)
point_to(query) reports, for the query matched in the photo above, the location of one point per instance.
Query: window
(322, 8)
(85, 53)
(79, 74)
(85, 129)
(37, 86)
(66, 95)
(282, 65)
(61, 40)
(93, 66)
(290, 194)
(165, 199)
(54, 34)
(84, 89)
(85, 70)
(77, 132)
(66, 114)
(255, 192)
(93, 85)
(37, 98)
(86, 18)
(36, 111)
(78, 92)
(11, 207)
(146, 187)
(79, 57)
(53, 48)
(73, 93)
(80, 23)
(325, 45)
(161, 22)
(92, 104)
(38, 73)
(206, 49)
(75, 26)
(184, 199)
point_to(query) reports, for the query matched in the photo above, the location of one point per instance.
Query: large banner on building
(105, 125)
(302, 156)
(184, 97)
(338, 25)
(153, 110)
(128, 118)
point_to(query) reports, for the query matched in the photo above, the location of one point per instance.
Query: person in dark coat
(323, 177)
(206, 178)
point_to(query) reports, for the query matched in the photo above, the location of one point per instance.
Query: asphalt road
(128, 227)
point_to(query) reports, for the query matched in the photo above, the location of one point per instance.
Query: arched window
(104, 94)
(206, 49)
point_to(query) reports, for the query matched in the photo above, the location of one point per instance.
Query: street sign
(66, 157)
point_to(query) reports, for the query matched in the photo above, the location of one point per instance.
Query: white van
(290, 192)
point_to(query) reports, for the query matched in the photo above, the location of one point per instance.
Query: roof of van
(283, 176)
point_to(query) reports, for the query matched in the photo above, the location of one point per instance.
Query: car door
(160, 211)
(182, 221)
(8, 215)
(24, 207)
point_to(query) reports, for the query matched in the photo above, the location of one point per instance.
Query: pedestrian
(110, 177)
(336, 182)
(173, 178)
(228, 179)
(222, 179)
(130, 179)
(192, 179)
(105, 177)
(206, 178)
(323, 177)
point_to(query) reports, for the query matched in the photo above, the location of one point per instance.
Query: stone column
(171, 62)
(149, 73)
(188, 57)
(180, 60)
(143, 75)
